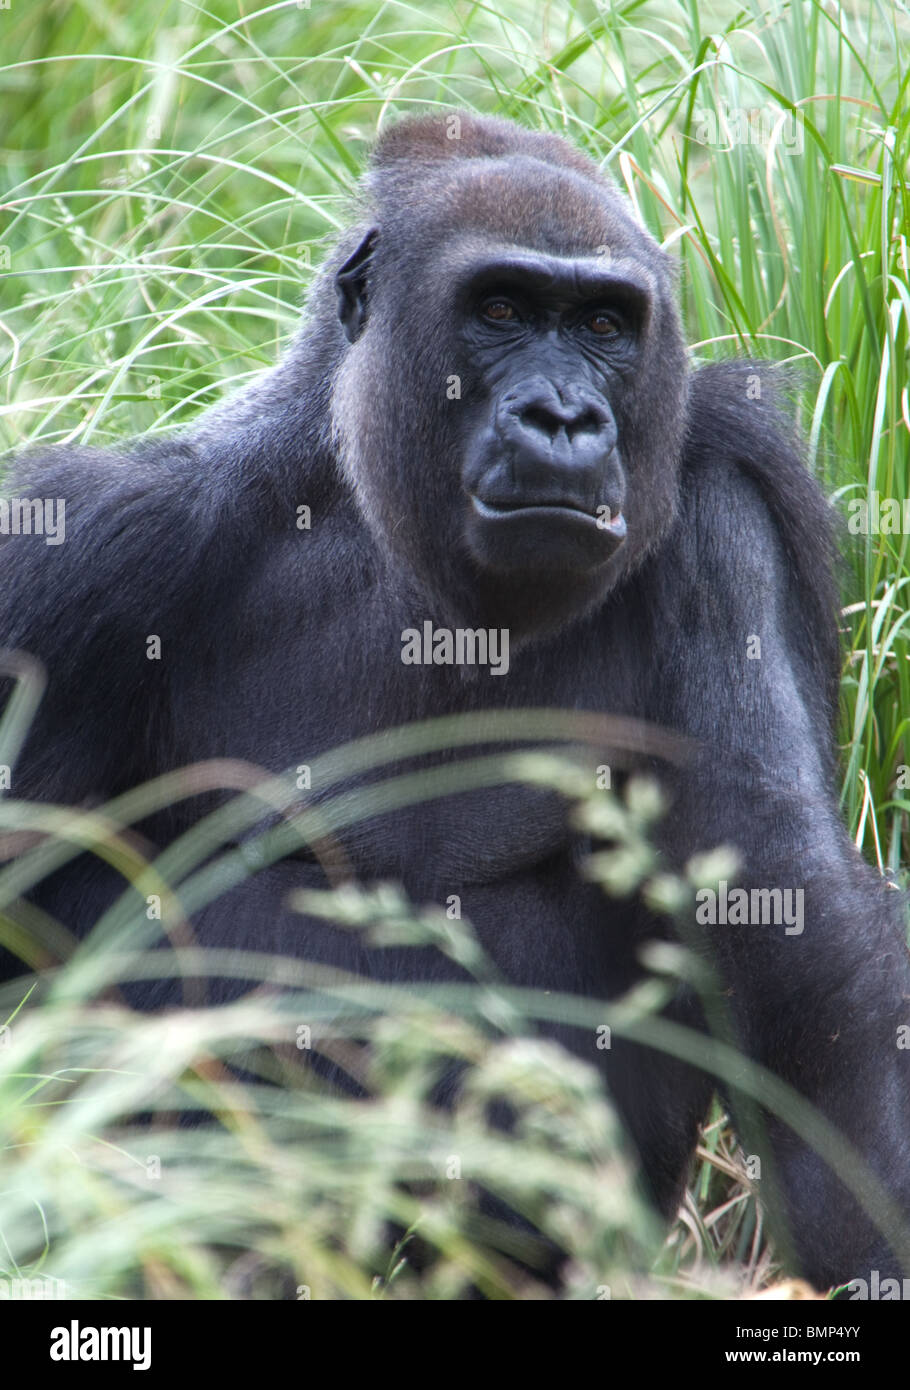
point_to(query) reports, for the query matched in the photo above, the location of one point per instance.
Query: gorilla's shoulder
(132, 497)
(734, 407)
(124, 519)
(81, 473)
(741, 437)
(752, 516)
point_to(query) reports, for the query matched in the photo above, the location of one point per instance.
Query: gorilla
(517, 495)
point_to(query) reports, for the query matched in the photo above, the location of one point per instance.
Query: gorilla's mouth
(550, 509)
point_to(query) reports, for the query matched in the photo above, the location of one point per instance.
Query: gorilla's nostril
(537, 417)
(549, 422)
(589, 422)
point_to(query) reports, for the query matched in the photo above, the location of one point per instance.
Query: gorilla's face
(551, 339)
(510, 408)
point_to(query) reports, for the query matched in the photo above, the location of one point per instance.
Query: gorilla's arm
(820, 1008)
(139, 559)
(160, 538)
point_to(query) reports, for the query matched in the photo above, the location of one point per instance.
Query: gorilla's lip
(558, 510)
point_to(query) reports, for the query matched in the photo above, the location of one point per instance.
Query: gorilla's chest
(329, 697)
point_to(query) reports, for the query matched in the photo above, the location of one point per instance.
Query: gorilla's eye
(603, 324)
(499, 311)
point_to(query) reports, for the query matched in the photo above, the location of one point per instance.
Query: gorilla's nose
(550, 416)
(562, 421)
(560, 438)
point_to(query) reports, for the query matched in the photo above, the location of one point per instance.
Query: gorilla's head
(509, 403)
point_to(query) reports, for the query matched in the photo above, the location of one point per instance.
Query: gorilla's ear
(351, 287)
